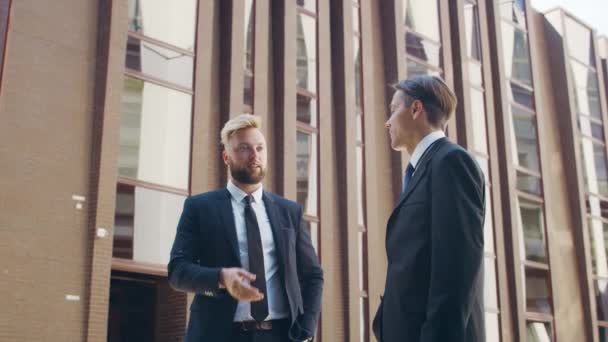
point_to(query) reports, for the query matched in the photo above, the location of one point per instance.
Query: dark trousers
(278, 333)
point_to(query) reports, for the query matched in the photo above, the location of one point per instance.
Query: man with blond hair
(434, 236)
(246, 253)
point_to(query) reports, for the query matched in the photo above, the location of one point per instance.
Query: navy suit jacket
(434, 245)
(206, 241)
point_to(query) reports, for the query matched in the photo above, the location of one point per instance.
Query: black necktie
(409, 171)
(259, 309)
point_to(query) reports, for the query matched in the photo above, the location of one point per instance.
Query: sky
(592, 12)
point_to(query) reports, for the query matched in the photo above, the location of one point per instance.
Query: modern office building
(110, 113)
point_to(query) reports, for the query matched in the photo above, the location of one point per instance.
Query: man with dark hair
(246, 253)
(434, 237)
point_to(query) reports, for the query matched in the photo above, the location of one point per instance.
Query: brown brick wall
(171, 314)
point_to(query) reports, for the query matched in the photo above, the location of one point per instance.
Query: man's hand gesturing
(233, 279)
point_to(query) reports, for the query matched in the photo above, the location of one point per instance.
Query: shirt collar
(423, 145)
(239, 194)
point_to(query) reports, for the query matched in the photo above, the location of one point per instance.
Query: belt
(257, 326)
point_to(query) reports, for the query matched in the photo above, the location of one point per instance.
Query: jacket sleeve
(185, 273)
(457, 217)
(310, 276)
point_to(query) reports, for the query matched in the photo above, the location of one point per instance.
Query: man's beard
(247, 176)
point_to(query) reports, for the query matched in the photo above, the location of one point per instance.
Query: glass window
(516, 54)
(310, 5)
(529, 183)
(603, 331)
(492, 327)
(422, 17)
(416, 69)
(312, 228)
(580, 42)
(514, 11)
(307, 110)
(490, 289)
(360, 185)
(538, 332)
(475, 73)
(471, 21)
(532, 230)
(595, 167)
(478, 118)
(590, 128)
(597, 207)
(521, 95)
(306, 169)
(149, 218)
(524, 134)
(586, 91)
(358, 73)
(172, 22)
(155, 134)
(538, 293)
(160, 63)
(423, 49)
(306, 75)
(598, 234)
(123, 222)
(356, 19)
(601, 297)
(249, 56)
(488, 227)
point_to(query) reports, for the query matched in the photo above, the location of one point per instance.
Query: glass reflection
(310, 5)
(416, 69)
(538, 332)
(524, 134)
(249, 34)
(248, 93)
(538, 294)
(492, 327)
(521, 95)
(488, 227)
(528, 183)
(425, 50)
(360, 185)
(516, 54)
(532, 230)
(160, 63)
(478, 116)
(580, 42)
(490, 289)
(306, 76)
(155, 134)
(149, 218)
(514, 11)
(356, 19)
(601, 299)
(595, 167)
(587, 98)
(422, 17)
(590, 128)
(312, 228)
(598, 234)
(603, 332)
(173, 22)
(471, 21)
(475, 73)
(358, 73)
(597, 207)
(306, 170)
(307, 110)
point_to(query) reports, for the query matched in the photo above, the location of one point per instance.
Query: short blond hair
(238, 123)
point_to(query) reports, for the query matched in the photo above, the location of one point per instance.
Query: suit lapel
(275, 224)
(227, 217)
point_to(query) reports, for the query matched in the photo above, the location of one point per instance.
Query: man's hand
(233, 279)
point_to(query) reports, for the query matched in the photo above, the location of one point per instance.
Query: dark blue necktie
(409, 171)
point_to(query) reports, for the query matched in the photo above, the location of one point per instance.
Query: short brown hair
(438, 99)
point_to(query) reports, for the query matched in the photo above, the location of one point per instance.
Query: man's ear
(225, 156)
(417, 108)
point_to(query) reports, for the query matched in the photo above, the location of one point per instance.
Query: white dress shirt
(277, 303)
(423, 145)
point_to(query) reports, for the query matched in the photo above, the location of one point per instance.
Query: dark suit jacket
(206, 241)
(434, 244)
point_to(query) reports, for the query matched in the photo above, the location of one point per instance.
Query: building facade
(110, 113)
